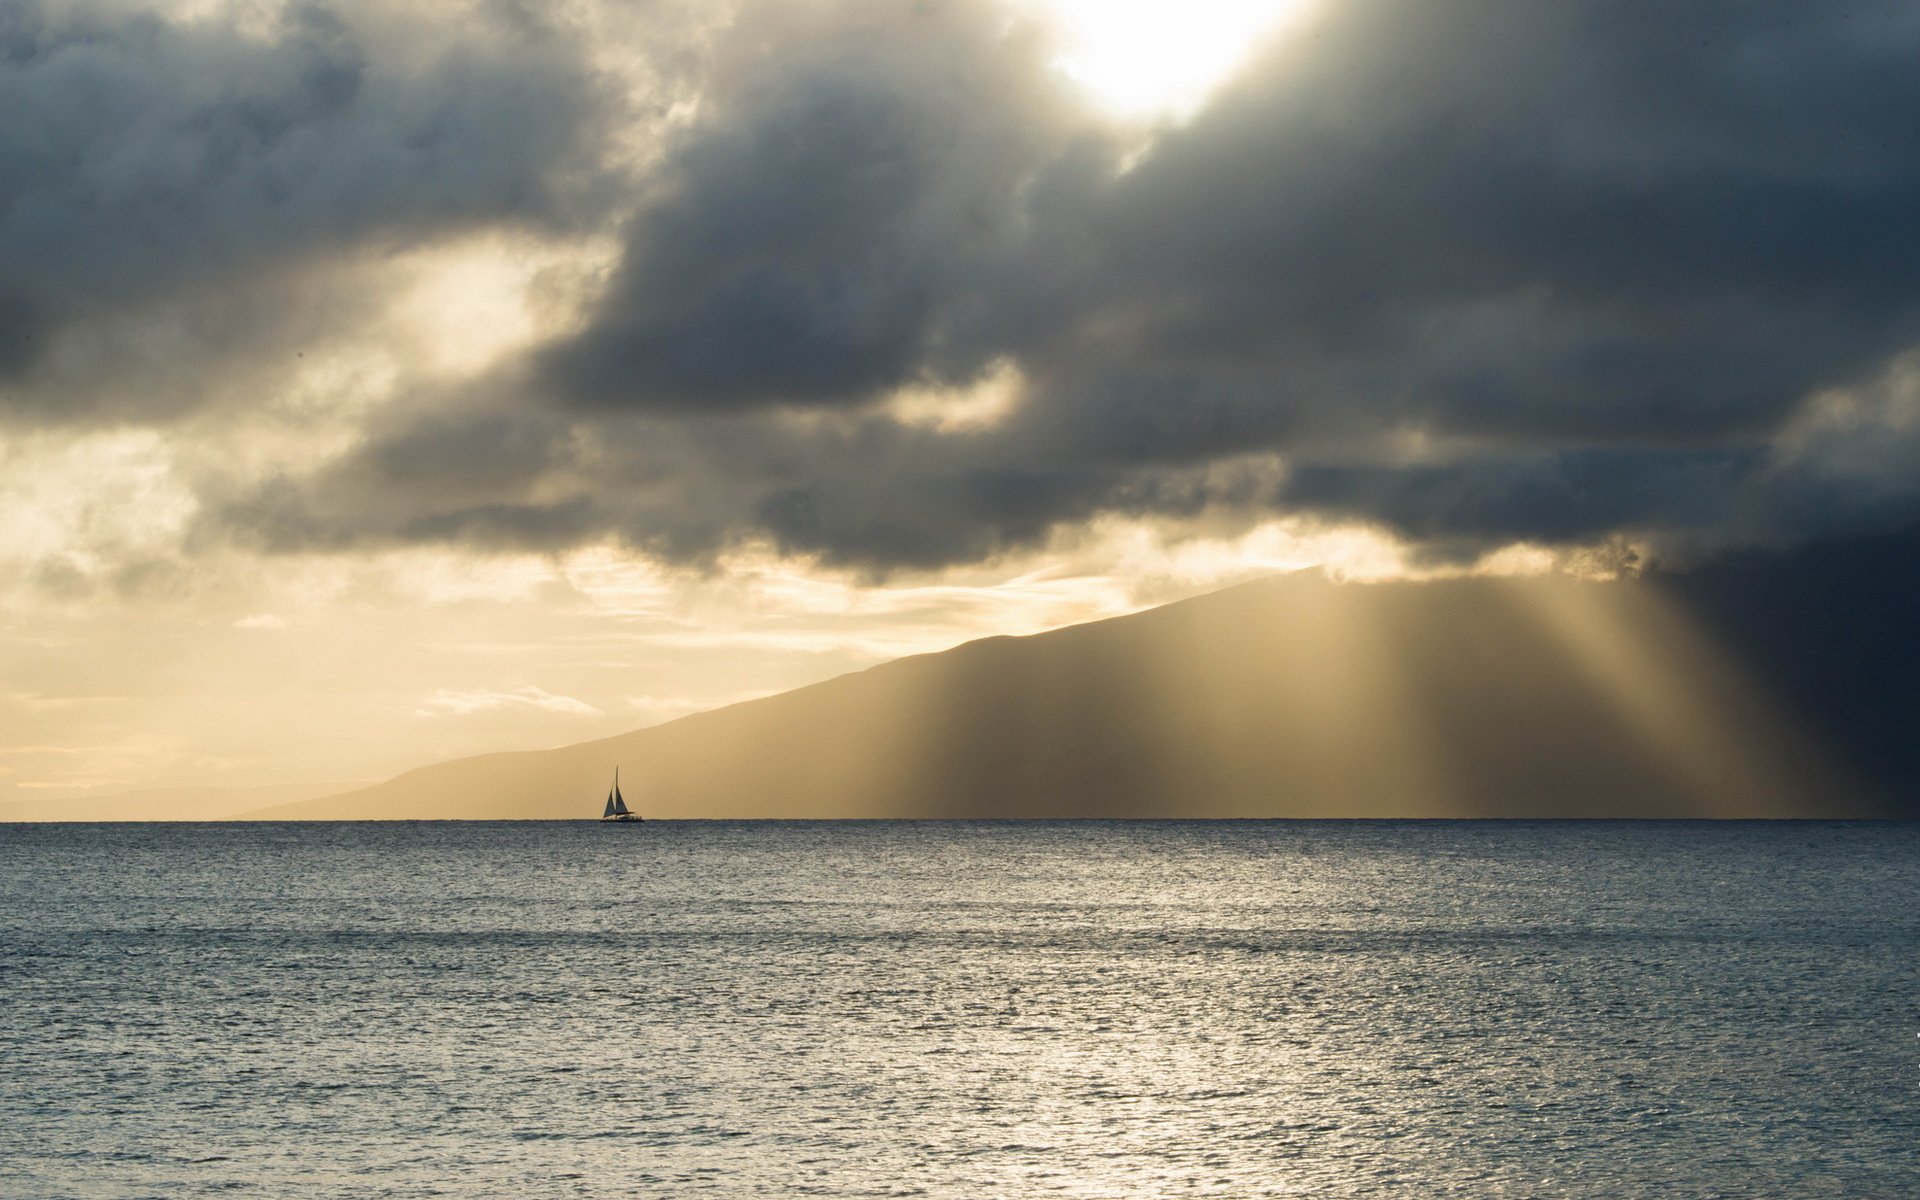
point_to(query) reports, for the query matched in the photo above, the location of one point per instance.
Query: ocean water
(974, 1010)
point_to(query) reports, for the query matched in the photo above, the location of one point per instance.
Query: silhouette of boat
(617, 809)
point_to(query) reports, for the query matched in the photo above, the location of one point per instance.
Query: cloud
(1475, 273)
(460, 704)
(824, 230)
(153, 164)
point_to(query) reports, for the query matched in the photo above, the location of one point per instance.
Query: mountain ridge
(1287, 696)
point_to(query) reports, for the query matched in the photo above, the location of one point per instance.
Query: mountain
(1294, 696)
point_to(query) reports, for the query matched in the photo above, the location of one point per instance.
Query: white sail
(617, 809)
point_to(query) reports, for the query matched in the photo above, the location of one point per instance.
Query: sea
(958, 1009)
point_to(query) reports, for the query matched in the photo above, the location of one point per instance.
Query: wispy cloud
(451, 703)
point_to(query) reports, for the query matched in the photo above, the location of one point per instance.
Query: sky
(385, 382)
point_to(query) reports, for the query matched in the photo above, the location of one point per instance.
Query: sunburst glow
(1150, 58)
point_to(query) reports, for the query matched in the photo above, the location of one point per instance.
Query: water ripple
(960, 1011)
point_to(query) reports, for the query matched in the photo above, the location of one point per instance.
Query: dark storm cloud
(454, 470)
(145, 161)
(20, 332)
(830, 222)
(1571, 221)
(1571, 496)
(1591, 258)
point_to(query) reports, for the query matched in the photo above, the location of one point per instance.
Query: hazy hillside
(1293, 696)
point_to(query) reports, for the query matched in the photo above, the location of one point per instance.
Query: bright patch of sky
(1155, 58)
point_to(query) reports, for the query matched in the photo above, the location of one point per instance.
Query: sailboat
(617, 809)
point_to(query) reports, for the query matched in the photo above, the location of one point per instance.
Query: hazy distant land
(1288, 697)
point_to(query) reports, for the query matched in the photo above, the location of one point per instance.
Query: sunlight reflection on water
(959, 1010)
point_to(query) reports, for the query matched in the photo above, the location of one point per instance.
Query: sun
(1147, 59)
